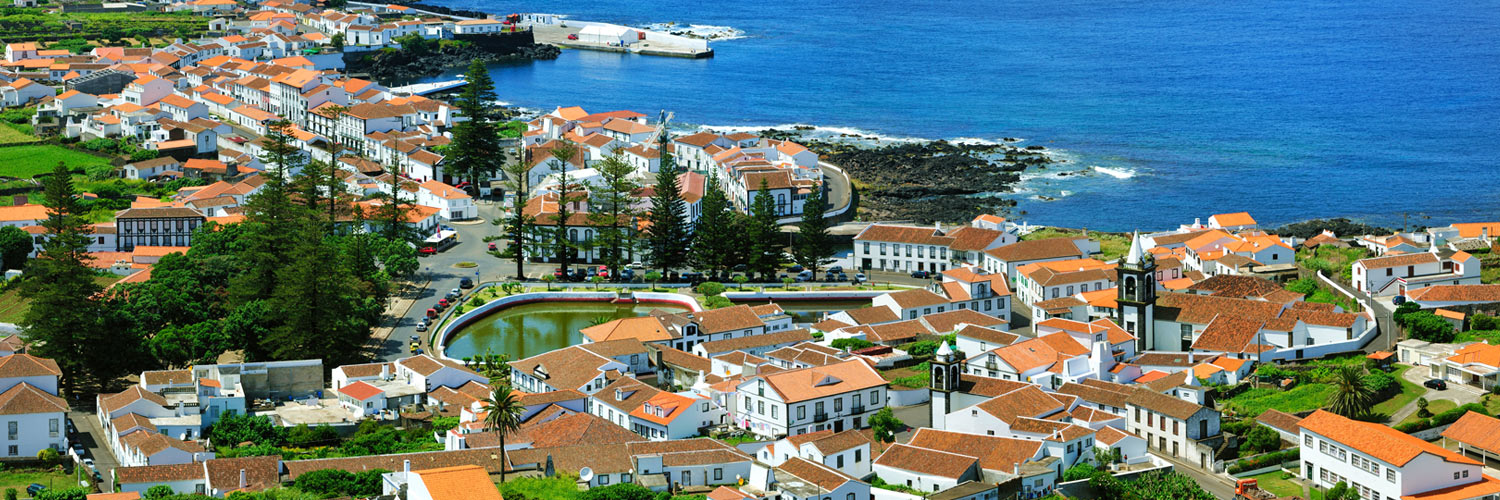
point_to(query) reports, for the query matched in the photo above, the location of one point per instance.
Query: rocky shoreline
(400, 65)
(926, 182)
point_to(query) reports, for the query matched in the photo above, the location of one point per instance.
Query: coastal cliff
(433, 57)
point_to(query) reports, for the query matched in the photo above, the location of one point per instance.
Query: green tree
(886, 425)
(611, 212)
(564, 243)
(270, 218)
(234, 428)
(503, 416)
(813, 247)
(15, 246)
(714, 235)
(74, 493)
(765, 235)
(337, 41)
(475, 152)
(1351, 397)
(159, 491)
(322, 312)
(63, 321)
(518, 226)
(1341, 491)
(622, 491)
(11, 494)
(667, 237)
(1422, 411)
(1260, 439)
(1424, 325)
(1080, 471)
(850, 343)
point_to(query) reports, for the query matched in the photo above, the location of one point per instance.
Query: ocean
(1172, 110)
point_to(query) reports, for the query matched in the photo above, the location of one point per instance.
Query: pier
(653, 43)
(430, 87)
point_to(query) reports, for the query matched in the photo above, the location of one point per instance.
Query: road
(1460, 394)
(1216, 485)
(94, 438)
(1385, 321)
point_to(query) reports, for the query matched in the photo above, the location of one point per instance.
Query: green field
(21, 478)
(10, 135)
(28, 161)
(1301, 398)
(13, 307)
(1409, 392)
(1282, 488)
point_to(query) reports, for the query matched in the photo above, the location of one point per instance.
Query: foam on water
(1118, 173)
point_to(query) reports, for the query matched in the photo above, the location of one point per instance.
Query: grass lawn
(1301, 398)
(1409, 392)
(1488, 336)
(1272, 482)
(10, 135)
(28, 161)
(911, 377)
(12, 306)
(20, 479)
(1112, 246)
(1435, 406)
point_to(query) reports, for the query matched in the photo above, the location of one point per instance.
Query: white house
(452, 203)
(1381, 462)
(799, 479)
(571, 368)
(1172, 426)
(22, 91)
(925, 469)
(847, 451)
(1007, 259)
(428, 373)
(837, 396)
(1402, 273)
(361, 399)
(33, 420)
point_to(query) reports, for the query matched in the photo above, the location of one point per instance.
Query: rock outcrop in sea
(401, 65)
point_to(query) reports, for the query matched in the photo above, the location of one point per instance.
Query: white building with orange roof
(675, 416)
(20, 51)
(1121, 344)
(147, 90)
(1381, 462)
(888, 247)
(1048, 360)
(23, 91)
(1237, 221)
(1040, 281)
(974, 289)
(1403, 273)
(838, 396)
(454, 203)
(1394, 243)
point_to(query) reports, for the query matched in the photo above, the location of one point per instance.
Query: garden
(1316, 384)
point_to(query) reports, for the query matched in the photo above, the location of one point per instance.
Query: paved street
(94, 438)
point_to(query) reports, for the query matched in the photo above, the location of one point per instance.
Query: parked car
(627, 274)
(465, 283)
(921, 274)
(415, 347)
(35, 488)
(805, 276)
(1441, 385)
(444, 302)
(843, 277)
(415, 338)
(88, 462)
(603, 271)
(421, 327)
(637, 265)
(860, 278)
(836, 269)
(426, 251)
(432, 313)
(1398, 300)
(573, 36)
(795, 269)
(79, 450)
(493, 247)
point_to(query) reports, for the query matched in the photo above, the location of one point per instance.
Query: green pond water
(531, 329)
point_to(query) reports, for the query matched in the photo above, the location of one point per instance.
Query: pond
(530, 329)
(811, 311)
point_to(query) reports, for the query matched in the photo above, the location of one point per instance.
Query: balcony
(991, 365)
(857, 409)
(820, 417)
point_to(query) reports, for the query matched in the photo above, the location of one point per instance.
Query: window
(13, 451)
(603, 479)
(13, 429)
(867, 247)
(882, 250)
(801, 412)
(773, 411)
(52, 427)
(718, 474)
(840, 461)
(874, 397)
(760, 407)
(635, 358)
(857, 457)
(920, 253)
(1307, 441)
(1390, 474)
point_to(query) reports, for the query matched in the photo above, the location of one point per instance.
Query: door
(838, 425)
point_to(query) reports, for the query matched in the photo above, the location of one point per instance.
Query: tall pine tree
(610, 211)
(714, 235)
(813, 247)
(272, 218)
(765, 235)
(475, 153)
(63, 320)
(667, 238)
(516, 223)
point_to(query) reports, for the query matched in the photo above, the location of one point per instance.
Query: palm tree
(1351, 397)
(503, 417)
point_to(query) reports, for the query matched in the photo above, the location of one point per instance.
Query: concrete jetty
(430, 87)
(654, 43)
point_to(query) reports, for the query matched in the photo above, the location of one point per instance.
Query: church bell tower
(947, 366)
(1136, 297)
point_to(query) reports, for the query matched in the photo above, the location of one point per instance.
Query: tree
(563, 243)
(1430, 327)
(1080, 471)
(765, 235)
(813, 247)
(518, 225)
(1341, 491)
(667, 237)
(653, 277)
(75, 493)
(63, 321)
(503, 416)
(1404, 309)
(159, 491)
(270, 217)
(1260, 439)
(611, 214)
(15, 245)
(1351, 397)
(886, 425)
(1422, 411)
(475, 152)
(234, 428)
(337, 41)
(322, 312)
(714, 235)
(622, 491)
(850, 343)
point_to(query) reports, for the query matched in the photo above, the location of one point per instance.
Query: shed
(608, 34)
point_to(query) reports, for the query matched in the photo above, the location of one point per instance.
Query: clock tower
(1136, 297)
(947, 366)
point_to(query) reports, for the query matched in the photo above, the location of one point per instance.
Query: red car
(443, 302)
(427, 250)
(492, 247)
(573, 37)
(603, 271)
(432, 313)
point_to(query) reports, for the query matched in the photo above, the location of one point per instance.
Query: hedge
(1441, 419)
(1266, 460)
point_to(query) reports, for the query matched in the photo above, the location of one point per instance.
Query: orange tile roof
(1384, 443)
(1477, 353)
(820, 381)
(360, 390)
(462, 482)
(1150, 376)
(643, 328)
(1233, 219)
(670, 405)
(1483, 488)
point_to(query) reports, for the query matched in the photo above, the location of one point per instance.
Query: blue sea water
(1290, 110)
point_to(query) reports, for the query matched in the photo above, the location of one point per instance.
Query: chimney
(1190, 357)
(385, 371)
(406, 466)
(1197, 222)
(243, 483)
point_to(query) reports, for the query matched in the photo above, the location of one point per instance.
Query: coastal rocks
(400, 65)
(932, 181)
